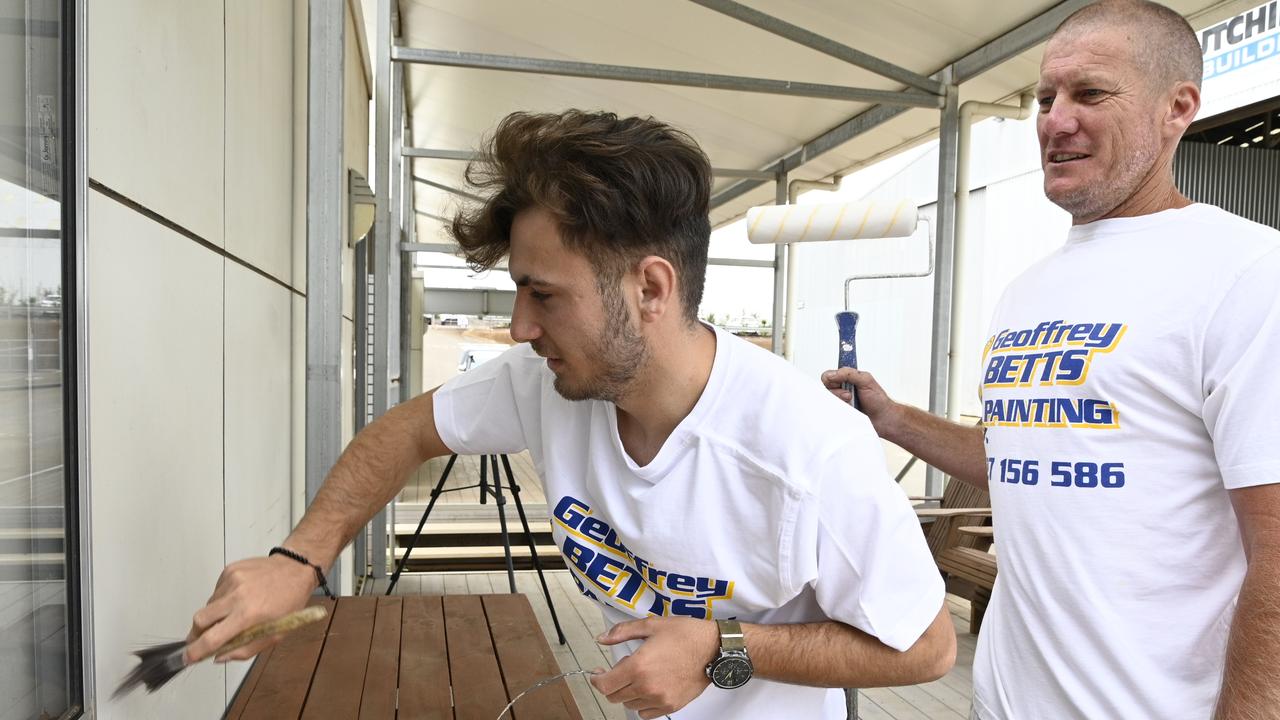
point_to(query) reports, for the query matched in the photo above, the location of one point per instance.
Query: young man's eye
(539, 296)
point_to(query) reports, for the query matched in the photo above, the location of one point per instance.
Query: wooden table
(460, 657)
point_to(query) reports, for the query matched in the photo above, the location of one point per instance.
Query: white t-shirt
(1134, 369)
(769, 502)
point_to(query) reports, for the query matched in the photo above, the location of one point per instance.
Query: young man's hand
(669, 669)
(248, 592)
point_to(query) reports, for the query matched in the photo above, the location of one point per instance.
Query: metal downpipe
(959, 292)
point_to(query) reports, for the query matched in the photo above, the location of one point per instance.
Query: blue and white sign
(1241, 60)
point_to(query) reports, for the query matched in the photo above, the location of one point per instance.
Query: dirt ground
(483, 335)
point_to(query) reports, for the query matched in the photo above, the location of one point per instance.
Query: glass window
(36, 657)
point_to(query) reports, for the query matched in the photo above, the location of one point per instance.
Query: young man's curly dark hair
(620, 189)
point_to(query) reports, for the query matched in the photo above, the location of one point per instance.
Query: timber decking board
(466, 471)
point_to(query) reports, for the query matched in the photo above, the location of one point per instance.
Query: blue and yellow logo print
(1053, 353)
(602, 565)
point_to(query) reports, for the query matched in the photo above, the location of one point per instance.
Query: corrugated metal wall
(1245, 181)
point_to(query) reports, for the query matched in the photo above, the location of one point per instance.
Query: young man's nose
(523, 327)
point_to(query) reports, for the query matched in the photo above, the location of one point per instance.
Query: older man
(1132, 445)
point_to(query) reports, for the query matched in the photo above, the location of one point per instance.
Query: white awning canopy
(990, 49)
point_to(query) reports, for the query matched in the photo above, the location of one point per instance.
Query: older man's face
(1098, 123)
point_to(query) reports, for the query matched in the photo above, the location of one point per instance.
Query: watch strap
(731, 638)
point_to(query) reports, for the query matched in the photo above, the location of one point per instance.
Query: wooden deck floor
(466, 471)
(944, 699)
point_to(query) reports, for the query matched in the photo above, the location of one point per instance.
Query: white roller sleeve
(772, 224)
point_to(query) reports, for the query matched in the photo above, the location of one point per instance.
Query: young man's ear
(656, 282)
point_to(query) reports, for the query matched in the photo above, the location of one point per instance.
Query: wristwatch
(731, 668)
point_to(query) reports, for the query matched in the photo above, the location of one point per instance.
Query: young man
(695, 491)
(1129, 412)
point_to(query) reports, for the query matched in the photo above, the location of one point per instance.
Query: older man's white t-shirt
(1129, 382)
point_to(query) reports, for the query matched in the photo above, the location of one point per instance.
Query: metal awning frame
(939, 90)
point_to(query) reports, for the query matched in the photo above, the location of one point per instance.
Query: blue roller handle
(847, 322)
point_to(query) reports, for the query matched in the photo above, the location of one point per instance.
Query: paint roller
(784, 224)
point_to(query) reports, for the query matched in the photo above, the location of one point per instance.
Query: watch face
(731, 672)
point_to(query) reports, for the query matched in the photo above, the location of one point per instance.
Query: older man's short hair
(1162, 40)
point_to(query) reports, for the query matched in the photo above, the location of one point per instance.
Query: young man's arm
(668, 671)
(1249, 687)
(371, 470)
(957, 450)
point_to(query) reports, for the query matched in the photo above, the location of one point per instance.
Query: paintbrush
(159, 664)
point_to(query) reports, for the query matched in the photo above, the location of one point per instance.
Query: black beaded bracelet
(324, 585)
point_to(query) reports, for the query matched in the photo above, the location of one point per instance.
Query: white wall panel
(156, 417)
(259, 149)
(356, 138)
(298, 381)
(155, 116)
(346, 583)
(258, 406)
(299, 141)
(348, 383)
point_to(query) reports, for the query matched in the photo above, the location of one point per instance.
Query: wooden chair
(959, 536)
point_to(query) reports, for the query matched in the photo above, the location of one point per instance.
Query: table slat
(339, 678)
(424, 661)
(425, 657)
(378, 701)
(282, 688)
(241, 699)
(525, 660)
(478, 693)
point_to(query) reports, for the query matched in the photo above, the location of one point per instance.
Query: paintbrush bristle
(157, 665)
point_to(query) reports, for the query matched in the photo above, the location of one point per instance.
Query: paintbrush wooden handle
(292, 621)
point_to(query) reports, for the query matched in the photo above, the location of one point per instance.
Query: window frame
(72, 40)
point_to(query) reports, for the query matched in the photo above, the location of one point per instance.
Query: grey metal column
(395, 297)
(394, 255)
(79, 160)
(407, 221)
(360, 374)
(325, 235)
(944, 262)
(383, 222)
(383, 232)
(779, 271)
